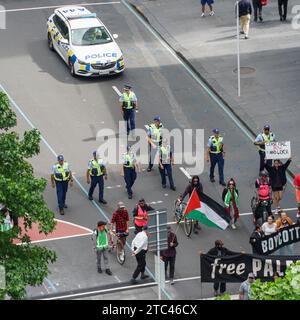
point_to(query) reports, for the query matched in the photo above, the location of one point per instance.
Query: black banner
(235, 268)
(279, 239)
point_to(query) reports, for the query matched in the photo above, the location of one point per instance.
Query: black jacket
(224, 252)
(280, 172)
(244, 8)
(254, 238)
(189, 189)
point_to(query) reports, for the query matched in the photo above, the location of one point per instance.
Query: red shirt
(120, 218)
(297, 181)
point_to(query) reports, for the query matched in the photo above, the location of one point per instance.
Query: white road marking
(250, 213)
(118, 279)
(114, 187)
(75, 225)
(60, 238)
(166, 194)
(185, 173)
(58, 6)
(117, 91)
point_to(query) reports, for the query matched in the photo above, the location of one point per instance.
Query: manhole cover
(245, 70)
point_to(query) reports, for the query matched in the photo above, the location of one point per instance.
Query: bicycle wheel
(187, 226)
(179, 208)
(120, 257)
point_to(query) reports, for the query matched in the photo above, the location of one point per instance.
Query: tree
(22, 193)
(285, 288)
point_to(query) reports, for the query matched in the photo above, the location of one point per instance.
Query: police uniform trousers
(129, 177)
(216, 158)
(262, 156)
(61, 191)
(141, 261)
(94, 181)
(166, 170)
(129, 117)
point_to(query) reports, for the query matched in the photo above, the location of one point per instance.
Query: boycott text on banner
(278, 150)
(283, 237)
(235, 268)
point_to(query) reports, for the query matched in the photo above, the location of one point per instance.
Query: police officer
(215, 154)
(94, 175)
(154, 137)
(61, 177)
(128, 107)
(165, 164)
(129, 167)
(260, 141)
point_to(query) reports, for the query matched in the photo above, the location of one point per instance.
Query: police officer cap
(216, 130)
(127, 87)
(60, 157)
(266, 127)
(94, 153)
(157, 118)
(101, 223)
(128, 147)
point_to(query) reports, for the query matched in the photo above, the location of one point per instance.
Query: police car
(83, 42)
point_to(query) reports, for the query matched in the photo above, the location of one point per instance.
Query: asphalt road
(69, 111)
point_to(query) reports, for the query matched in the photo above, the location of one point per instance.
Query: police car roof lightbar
(91, 15)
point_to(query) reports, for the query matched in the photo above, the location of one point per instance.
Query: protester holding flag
(140, 215)
(230, 197)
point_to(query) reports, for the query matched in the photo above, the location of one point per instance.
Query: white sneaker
(211, 13)
(202, 15)
(122, 255)
(276, 211)
(233, 226)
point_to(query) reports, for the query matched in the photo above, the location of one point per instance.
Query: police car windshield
(90, 36)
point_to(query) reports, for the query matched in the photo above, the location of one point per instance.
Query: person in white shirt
(139, 247)
(269, 227)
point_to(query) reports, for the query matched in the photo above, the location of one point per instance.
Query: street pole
(158, 256)
(238, 48)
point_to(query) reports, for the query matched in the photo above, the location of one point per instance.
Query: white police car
(83, 42)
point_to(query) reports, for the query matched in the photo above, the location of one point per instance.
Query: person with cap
(154, 137)
(169, 255)
(245, 288)
(139, 248)
(219, 251)
(120, 219)
(94, 175)
(129, 106)
(165, 164)
(140, 214)
(215, 154)
(129, 168)
(102, 246)
(61, 177)
(265, 137)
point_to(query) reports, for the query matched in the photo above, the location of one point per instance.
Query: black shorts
(122, 234)
(277, 189)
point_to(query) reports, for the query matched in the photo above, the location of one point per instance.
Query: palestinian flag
(206, 211)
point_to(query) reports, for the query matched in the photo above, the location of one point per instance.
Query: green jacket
(227, 198)
(102, 240)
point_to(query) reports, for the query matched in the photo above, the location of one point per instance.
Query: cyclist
(194, 184)
(120, 219)
(263, 191)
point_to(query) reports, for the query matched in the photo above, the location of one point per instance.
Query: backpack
(263, 190)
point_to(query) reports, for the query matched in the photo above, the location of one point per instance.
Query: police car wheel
(50, 42)
(71, 68)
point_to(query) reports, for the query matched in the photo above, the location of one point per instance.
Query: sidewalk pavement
(270, 83)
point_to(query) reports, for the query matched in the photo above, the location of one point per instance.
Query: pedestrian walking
(216, 154)
(255, 237)
(245, 288)
(194, 184)
(102, 247)
(269, 226)
(245, 11)
(230, 197)
(209, 3)
(129, 106)
(165, 164)
(61, 178)
(94, 175)
(129, 168)
(139, 248)
(277, 174)
(260, 141)
(284, 221)
(169, 255)
(282, 9)
(140, 214)
(154, 137)
(257, 8)
(297, 190)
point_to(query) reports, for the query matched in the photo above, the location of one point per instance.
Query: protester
(169, 255)
(277, 174)
(139, 247)
(245, 288)
(6, 222)
(285, 221)
(257, 8)
(269, 227)
(209, 3)
(256, 236)
(245, 11)
(230, 197)
(140, 214)
(297, 190)
(282, 4)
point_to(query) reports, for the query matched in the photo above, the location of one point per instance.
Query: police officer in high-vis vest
(154, 137)
(94, 175)
(215, 154)
(165, 164)
(128, 107)
(129, 168)
(61, 177)
(260, 141)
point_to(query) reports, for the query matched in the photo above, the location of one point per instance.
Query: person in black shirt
(256, 235)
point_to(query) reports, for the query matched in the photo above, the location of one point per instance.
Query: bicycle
(179, 208)
(255, 202)
(117, 245)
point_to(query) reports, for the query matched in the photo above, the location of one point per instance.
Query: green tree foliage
(22, 193)
(285, 288)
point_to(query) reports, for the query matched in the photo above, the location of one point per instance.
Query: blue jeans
(94, 181)
(167, 169)
(216, 158)
(128, 116)
(129, 177)
(61, 191)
